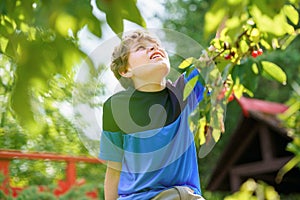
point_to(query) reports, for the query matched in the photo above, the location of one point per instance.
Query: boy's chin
(153, 68)
(161, 64)
(163, 68)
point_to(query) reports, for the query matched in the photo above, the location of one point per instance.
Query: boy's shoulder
(112, 106)
(118, 97)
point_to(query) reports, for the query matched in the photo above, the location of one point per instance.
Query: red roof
(268, 107)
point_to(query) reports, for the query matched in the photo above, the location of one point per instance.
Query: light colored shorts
(178, 193)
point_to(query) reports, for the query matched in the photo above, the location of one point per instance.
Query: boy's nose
(152, 47)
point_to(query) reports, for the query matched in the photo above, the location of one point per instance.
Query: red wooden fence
(7, 155)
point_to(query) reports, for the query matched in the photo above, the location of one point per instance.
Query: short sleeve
(111, 141)
(111, 146)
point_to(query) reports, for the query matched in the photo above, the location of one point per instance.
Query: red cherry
(231, 97)
(254, 54)
(221, 95)
(260, 52)
(227, 56)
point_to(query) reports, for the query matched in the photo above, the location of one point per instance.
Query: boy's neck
(150, 87)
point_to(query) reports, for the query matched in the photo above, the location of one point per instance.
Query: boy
(146, 140)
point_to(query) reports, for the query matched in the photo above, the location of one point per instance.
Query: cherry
(231, 97)
(227, 56)
(221, 95)
(254, 54)
(260, 52)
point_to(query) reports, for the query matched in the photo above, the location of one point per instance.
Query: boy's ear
(127, 74)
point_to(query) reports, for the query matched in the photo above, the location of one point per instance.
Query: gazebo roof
(256, 150)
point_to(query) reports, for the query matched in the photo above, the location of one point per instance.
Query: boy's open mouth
(156, 55)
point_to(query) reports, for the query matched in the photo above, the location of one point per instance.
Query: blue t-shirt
(148, 132)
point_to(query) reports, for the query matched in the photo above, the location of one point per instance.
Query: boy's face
(148, 60)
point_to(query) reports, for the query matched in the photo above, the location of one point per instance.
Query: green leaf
(189, 87)
(214, 17)
(255, 68)
(64, 23)
(244, 46)
(201, 131)
(131, 12)
(118, 10)
(276, 25)
(294, 108)
(186, 63)
(288, 41)
(233, 22)
(216, 43)
(255, 35)
(238, 90)
(291, 13)
(114, 18)
(265, 44)
(10, 49)
(3, 44)
(216, 134)
(234, 2)
(274, 71)
(113, 12)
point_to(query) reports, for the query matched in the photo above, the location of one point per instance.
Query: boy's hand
(204, 57)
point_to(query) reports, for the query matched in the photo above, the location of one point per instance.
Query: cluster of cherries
(256, 53)
(223, 92)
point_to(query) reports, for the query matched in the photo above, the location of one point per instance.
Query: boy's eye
(141, 47)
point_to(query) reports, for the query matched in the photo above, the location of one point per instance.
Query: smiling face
(148, 60)
(140, 60)
(148, 65)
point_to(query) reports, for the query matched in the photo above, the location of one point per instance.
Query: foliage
(247, 26)
(38, 52)
(187, 16)
(289, 60)
(35, 39)
(58, 135)
(34, 192)
(242, 36)
(119, 10)
(254, 191)
(40, 38)
(84, 192)
(292, 121)
(2, 195)
(39, 48)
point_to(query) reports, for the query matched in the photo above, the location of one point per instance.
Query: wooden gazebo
(256, 149)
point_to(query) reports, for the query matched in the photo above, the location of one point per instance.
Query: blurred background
(46, 46)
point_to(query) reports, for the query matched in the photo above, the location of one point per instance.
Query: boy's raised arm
(112, 178)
